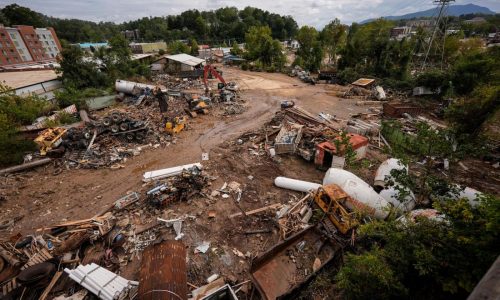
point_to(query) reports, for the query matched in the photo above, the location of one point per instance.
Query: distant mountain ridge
(453, 10)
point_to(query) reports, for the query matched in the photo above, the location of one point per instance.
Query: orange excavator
(215, 74)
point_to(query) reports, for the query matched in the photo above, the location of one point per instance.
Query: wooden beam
(255, 211)
(51, 285)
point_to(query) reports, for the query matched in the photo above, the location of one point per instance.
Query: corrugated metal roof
(186, 59)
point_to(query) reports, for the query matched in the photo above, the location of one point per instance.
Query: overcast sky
(306, 12)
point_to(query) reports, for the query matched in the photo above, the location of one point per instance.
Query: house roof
(186, 59)
(363, 82)
(26, 78)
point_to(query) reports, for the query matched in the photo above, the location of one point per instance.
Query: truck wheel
(140, 136)
(130, 137)
(124, 126)
(115, 128)
(106, 121)
(116, 118)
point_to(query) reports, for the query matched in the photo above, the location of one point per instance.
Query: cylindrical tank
(391, 195)
(365, 196)
(296, 185)
(127, 87)
(384, 171)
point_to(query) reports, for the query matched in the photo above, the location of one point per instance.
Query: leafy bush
(468, 114)
(434, 79)
(348, 75)
(69, 96)
(444, 260)
(14, 112)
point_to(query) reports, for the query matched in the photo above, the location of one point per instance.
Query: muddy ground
(41, 197)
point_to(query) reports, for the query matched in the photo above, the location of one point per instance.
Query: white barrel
(296, 185)
(384, 171)
(364, 196)
(127, 87)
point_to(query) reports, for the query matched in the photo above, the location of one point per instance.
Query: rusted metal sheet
(163, 274)
(396, 110)
(277, 276)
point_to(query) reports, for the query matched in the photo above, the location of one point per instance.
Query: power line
(442, 8)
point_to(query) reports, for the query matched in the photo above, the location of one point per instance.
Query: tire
(129, 136)
(106, 121)
(124, 126)
(140, 136)
(116, 118)
(115, 128)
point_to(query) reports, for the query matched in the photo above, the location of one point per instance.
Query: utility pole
(439, 31)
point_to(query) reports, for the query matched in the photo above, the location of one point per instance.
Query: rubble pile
(111, 239)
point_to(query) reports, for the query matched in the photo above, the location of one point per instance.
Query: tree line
(207, 27)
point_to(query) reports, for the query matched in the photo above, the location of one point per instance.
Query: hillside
(453, 10)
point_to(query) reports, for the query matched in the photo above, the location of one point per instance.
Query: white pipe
(296, 185)
(164, 173)
(363, 196)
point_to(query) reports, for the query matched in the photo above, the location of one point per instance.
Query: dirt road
(43, 198)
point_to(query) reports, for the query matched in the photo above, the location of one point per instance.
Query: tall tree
(310, 51)
(333, 37)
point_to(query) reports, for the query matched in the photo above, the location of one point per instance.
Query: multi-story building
(8, 51)
(23, 43)
(49, 40)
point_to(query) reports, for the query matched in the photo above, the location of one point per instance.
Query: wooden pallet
(9, 286)
(39, 257)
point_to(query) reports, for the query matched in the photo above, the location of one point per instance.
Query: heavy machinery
(50, 139)
(175, 125)
(331, 199)
(209, 69)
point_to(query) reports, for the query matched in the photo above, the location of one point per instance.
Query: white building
(48, 41)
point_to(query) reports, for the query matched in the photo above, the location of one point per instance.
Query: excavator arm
(209, 68)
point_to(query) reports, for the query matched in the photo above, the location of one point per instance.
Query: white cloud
(306, 12)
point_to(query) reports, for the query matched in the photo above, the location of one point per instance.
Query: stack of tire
(118, 123)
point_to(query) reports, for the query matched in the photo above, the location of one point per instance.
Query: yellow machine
(175, 126)
(331, 199)
(50, 139)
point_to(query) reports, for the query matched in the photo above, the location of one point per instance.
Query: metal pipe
(26, 166)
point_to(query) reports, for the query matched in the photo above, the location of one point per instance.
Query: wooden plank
(255, 211)
(51, 285)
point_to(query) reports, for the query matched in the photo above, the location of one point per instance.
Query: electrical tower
(438, 32)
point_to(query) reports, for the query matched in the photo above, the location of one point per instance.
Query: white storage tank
(127, 87)
(365, 196)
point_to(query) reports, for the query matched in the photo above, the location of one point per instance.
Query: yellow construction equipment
(176, 125)
(331, 199)
(50, 139)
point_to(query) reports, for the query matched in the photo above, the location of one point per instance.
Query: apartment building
(23, 43)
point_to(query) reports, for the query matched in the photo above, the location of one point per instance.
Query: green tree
(14, 112)
(445, 259)
(333, 37)
(236, 50)
(18, 15)
(78, 71)
(194, 47)
(263, 49)
(178, 47)
(310, 51)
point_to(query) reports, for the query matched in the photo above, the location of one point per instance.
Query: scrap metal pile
(107, 141)
(33, 265)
